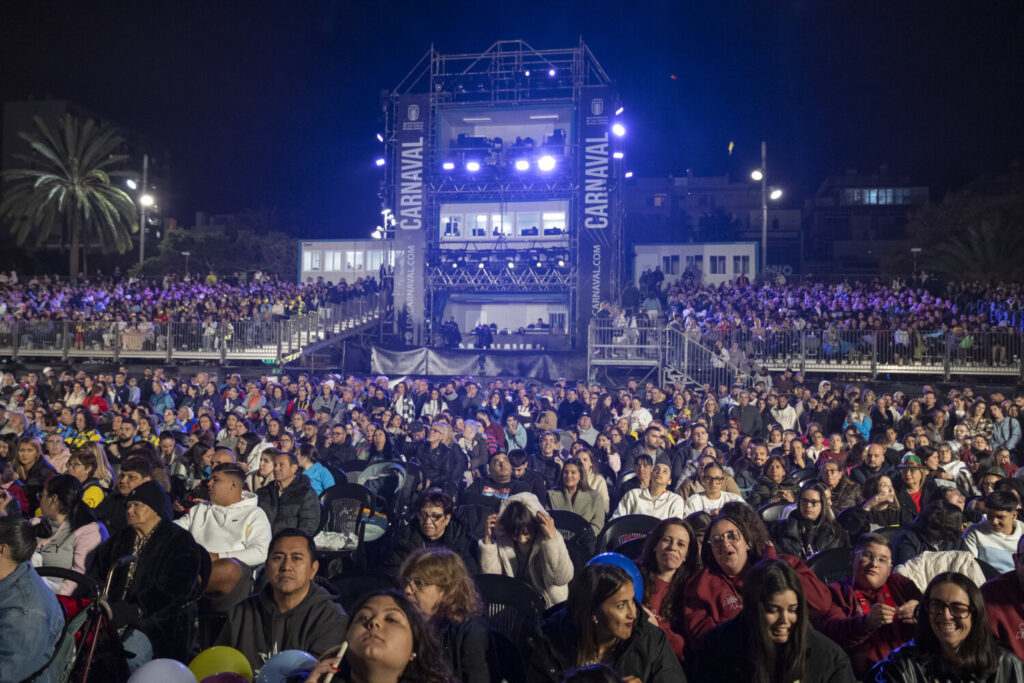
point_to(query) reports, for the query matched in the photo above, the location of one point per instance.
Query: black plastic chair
(988, 570)
(631, 548)
(579, 556)
(345, 508)
(473, 518)
(570, 525)
(350, 586)
(512, 607)
(772, 512)
(833, 565)
(625, 528)
(491, 502)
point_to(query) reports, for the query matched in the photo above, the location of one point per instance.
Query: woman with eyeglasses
(874, 612)
(774, 635)
(733, 544)
(437, 583)
(810, 528)
(843, 492)
(433, 526)
(953, 642)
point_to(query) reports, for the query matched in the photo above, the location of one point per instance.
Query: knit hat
(152, 494)
(911, 461)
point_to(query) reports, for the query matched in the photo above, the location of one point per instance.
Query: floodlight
(757, 174)
(527, 73)
(561, 263)
(546, 163)
(379, 161)
(618, 129)
(775, 194)
(617, 155)
(522, 165)
(552, 72)
(146, 200)
(448, 166)
(472, 166)
(132, 185)
(618, 112)
(629, 174)
(380, 138)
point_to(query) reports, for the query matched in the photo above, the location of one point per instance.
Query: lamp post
(761, 175)
(186, 254)
(915, 251)
(145, 201)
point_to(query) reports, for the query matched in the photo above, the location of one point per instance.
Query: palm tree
(66, 186)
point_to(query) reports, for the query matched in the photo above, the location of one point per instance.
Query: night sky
(277, 104)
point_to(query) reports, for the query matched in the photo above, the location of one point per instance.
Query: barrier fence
(693, 354)
(277, 341)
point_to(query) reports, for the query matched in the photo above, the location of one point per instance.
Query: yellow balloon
(220, 659)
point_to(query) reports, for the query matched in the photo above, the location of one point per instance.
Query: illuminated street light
(757, 175)
(775, 194)
(146, 200)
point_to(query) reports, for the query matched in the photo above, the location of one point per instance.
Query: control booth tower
(504, 173)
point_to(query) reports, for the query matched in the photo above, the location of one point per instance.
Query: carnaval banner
(412, 142)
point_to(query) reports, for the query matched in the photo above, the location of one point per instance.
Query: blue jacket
(320, 477)
(1006, 434)
(30, 624)
(161, 402)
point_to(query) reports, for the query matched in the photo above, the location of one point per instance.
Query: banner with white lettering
(412, 140)
(599, 226)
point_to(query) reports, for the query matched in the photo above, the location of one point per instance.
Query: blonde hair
(443, 568)
(104, 472)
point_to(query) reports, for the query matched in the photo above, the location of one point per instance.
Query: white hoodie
(240, 531)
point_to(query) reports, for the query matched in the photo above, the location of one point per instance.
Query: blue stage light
(546, 163)
(472, 166)
(618, 129)
(522, 165)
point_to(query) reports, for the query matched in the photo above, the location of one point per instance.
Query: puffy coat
(794, 536)
(646, 655)
(549, 568)
(927, 565)
(766, 490)
(410, 538)
(295, 507)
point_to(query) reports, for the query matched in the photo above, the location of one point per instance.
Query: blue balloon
(626, 564)
(285, 664)
(162, 671)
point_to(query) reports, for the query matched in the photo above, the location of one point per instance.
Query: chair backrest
(345, 507)
(625, 528)
(832, 565)
(772, 511)
(350, 586)
(988, 570)
(569, 524)
(472, 498)
(632, 548)
(512, 607)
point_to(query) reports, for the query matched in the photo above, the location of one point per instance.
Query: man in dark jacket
(291, 612)
(751, 422)
(569, 410)
(290, 501)
(874, 463)
(147, 594)
(135, 470)
(442, 467)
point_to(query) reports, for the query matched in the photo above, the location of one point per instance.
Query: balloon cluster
(225, 665)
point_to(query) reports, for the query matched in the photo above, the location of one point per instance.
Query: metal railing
(279, 340)
(692, 354)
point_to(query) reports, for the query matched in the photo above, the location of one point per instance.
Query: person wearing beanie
(146, 594)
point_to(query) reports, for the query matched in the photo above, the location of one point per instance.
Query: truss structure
(501, 281)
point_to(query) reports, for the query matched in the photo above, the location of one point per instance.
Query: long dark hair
(772, 663)
(978, 655)
(428, 663)
(68, 491)
(941, 521)
(595, 584)
(648, 564)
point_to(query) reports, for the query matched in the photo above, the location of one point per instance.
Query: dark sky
(276, 103)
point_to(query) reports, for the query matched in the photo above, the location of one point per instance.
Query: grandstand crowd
(822, 532)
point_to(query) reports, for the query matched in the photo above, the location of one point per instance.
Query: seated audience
(432, 526)
(654, 500)
(994, 540)
(810, 528)
(573, 494)
(671, 555)
(290, 501)
(67, 533)
(713, 497)
(291, 612)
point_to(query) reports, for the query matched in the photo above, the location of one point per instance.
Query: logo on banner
(413, 113)
(596, 106)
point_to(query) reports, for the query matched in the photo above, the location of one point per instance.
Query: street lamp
(915, 251)
(760, 175)
(186, 254)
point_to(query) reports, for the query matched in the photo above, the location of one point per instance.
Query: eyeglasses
(417, 583)
(434, 518)
(957, 610)
(730, 536)
(714, 480)
(870, 559)
(810, 501)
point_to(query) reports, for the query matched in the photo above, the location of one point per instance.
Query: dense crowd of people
(117, 298)
(904, 322)
(220, 488)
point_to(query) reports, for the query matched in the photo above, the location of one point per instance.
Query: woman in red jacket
(715, 594)
(873, 613)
